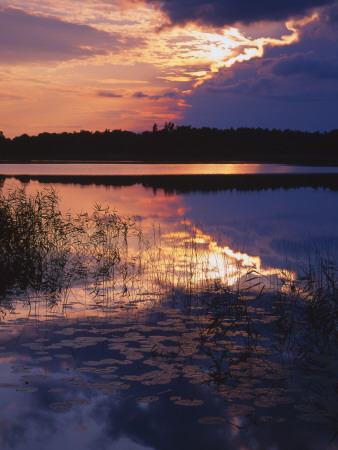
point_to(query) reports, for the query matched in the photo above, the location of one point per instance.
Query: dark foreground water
(218, 332)
(163, 376)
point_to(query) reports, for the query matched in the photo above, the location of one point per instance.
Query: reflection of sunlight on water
(177, 318)
(101, 259)
(197, 252)
(148, 268)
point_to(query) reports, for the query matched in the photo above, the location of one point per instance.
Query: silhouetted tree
(176, 143)
(169, 127)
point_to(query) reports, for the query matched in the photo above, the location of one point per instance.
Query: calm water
(158, 169)
(196, 337)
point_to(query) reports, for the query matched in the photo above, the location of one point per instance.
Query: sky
(126, 64)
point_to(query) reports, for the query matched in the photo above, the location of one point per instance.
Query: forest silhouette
(175, 143)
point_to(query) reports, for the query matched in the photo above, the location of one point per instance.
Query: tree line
(175, 143)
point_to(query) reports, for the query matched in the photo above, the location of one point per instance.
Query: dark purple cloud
(308, 65)
(282, 110)
(140, 94)
(292, 86)
(34, 38)
(282, 77)
(228, 12)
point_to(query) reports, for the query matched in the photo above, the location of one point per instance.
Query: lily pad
(148, 399)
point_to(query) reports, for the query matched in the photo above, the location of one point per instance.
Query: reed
(45, 251)
(34, 240)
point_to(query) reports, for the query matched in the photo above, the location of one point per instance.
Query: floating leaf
(71, 379)
(211, 420)
(61, 406)
(189, 402)
(148, 399)
(20, 369)
(79, 401)
(271, 419)
(240, 410)
(27, 389)
(8, 385)
(32, 378)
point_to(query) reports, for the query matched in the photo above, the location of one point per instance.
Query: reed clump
(45, 251)
(312, 297)
(34, 239)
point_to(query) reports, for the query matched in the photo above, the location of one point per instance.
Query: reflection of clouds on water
(252, 220)
(198, 258)
(181, 368)
(119, 421)
(129, 200)
(131, 378)
(246, 219)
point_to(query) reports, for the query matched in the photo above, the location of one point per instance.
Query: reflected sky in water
(130, 377)
(159, 169)
(209, 368)
(273, 224)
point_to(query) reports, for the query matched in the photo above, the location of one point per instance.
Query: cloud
(308, 65)
(109, 94)
(10, 97)
(140, 94)
(169, 95)
(306, 70)
(298, 78)
(293, 86)
(229, 12)
(26, 38)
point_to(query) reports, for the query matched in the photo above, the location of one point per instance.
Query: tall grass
(43, 250)
(311, 298)
(34, 240)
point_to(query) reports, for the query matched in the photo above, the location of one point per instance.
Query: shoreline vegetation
(174, 143)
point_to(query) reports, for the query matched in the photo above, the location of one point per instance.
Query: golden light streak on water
(200, 258)
(187, 259)
(179, 258)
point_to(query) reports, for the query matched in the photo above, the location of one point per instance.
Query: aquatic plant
(45, 251)
(34, 240)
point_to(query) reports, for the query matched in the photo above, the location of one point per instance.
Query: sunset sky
(98, 64)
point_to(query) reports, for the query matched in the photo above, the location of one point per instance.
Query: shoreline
(297, 162)
(192, 183)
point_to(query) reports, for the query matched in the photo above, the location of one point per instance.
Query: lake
(169, 306)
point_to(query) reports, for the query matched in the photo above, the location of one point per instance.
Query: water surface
(158, 169)
(189, 351)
